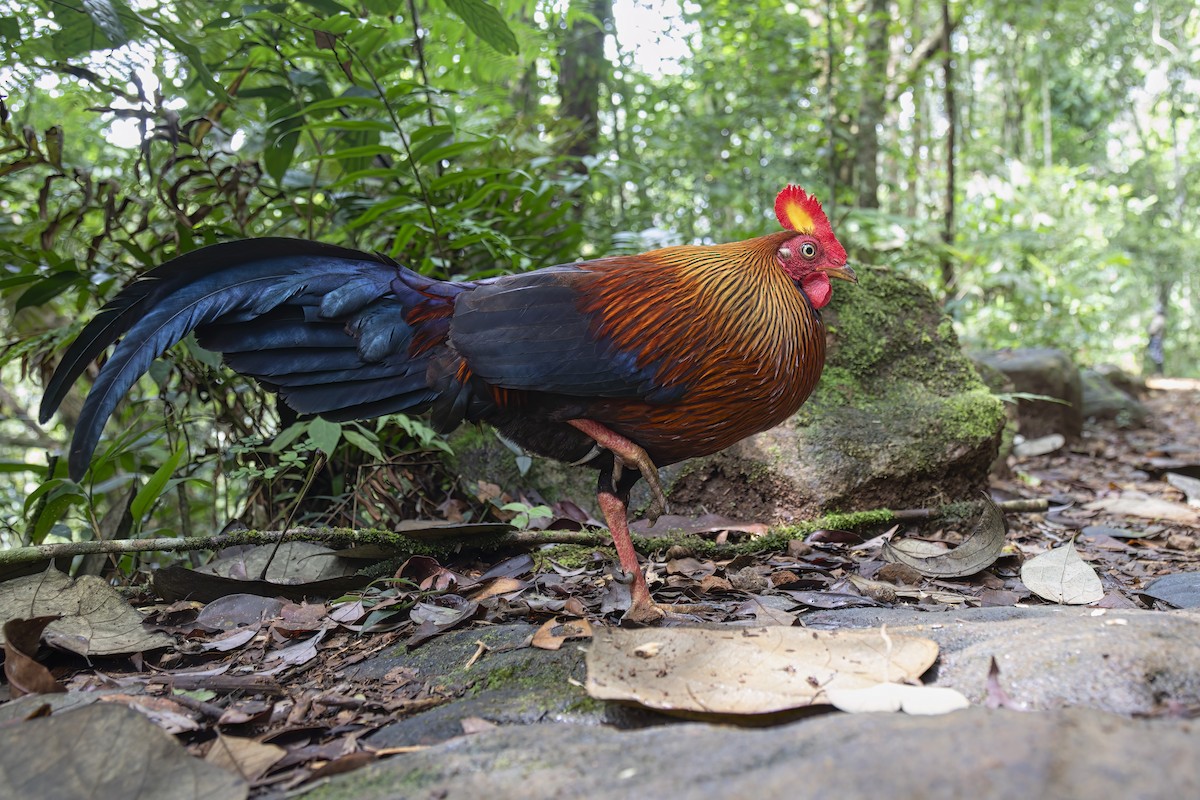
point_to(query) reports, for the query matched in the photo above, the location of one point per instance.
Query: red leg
(628, 454)
(643, 609)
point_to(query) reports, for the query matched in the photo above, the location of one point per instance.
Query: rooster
(622, 364)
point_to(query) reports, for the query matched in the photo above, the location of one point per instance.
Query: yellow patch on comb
(794, 209)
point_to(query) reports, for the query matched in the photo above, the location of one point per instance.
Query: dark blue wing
(527, 332)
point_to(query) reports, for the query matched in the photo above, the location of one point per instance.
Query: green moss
(972, 415)
(841, 522)
(571, 556)
(891, 330)
(587, 706)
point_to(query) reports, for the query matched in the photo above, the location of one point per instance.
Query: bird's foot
(642, 608)
(658, 497)
(630, 456)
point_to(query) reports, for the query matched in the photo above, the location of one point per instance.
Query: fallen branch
(401, 543)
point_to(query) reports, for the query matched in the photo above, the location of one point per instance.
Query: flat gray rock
(978, 753)
(1122, 661)
(1071, 668)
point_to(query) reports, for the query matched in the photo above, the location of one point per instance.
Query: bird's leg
(613, 497)
(627, 454)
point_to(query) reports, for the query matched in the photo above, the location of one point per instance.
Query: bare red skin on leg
(642, 609)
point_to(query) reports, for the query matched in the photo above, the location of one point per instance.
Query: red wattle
(816, 285)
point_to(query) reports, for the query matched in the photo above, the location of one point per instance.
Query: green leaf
(88, 26)
(10, 29)
(363, 443)
(107, 19)
(286, 436)
(47, 289)
(191, 52)
(280, 152)
(52, 512)
(149, 494)
(18, 466)
(325, 435)
(52, 485)
(486, 23)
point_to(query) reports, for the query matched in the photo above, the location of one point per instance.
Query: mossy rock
(900, 419)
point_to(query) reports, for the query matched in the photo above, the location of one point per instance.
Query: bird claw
(640, 461)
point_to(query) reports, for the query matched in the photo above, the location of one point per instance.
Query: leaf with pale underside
(916, 700)
(747, 671)
(978, 551)
(1061, 576)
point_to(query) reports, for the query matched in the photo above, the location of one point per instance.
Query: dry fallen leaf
(746, 671)
(244, 757)
(96, 619)
(978, 551)
(553, 633)
(1188, 485)
(1130, 505)
(1061, 576)
(24, 673)
(106, 750)
(1039, 447)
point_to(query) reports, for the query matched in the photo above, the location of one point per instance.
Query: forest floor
(272, 697)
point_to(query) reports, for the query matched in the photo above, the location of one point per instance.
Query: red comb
(799, 211)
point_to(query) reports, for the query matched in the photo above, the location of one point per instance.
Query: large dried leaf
(105, 750)
(1131, 505)
(978, 551)
(1061, 576)
(244, 757)
(746, 671)
(294, 563)
(96, 620)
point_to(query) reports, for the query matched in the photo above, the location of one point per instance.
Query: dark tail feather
(320, 324)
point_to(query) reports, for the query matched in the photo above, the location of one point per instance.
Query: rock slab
(1047, 372)
(979, 753)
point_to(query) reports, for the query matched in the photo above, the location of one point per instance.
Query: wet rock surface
(977, 753)
(1080, 675)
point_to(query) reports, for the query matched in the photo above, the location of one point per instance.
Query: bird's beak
(841, 273)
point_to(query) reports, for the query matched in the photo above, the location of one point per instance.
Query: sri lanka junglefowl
(620, 364)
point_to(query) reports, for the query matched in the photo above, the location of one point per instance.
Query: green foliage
(356, 125)
(132, 132)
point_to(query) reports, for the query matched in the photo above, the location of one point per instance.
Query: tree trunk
(947, 265)
(871, 108)
(830, 108)
(582, 69)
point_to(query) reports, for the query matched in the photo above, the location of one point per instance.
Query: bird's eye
(808, 250)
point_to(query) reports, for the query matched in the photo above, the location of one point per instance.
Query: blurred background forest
(1035, 164)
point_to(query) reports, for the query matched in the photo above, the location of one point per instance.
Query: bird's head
(813, 255)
